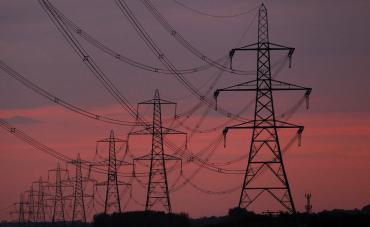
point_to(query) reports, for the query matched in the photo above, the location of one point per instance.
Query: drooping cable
(213, 15)
(164, 60)
(86, 58)
(59, 101)
(174, 33)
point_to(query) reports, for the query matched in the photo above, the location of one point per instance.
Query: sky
(331, 56)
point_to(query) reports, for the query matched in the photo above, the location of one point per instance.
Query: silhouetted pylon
(265, 152)
(21, 210)
(308, 206)
(58, 213)
(40, 215)
(31, 205)
(79, 209)
(112, 195)
(157, 189)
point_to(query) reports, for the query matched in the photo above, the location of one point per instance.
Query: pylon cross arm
(250, 85)
(263, 124)
(154, 101)
(145, 131)
(255, 46)
(276, 85)
(172, 131)
(267, 46)
(149, 157)
(107, 140)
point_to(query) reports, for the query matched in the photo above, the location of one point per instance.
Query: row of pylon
(265, 140)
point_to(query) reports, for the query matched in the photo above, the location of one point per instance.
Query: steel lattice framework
(31, 204)
(308, 206)
(21, 210)
(59, 199)
(41, 205)
(157, 189)
(79, 209)
(265, 151)
(112, 195)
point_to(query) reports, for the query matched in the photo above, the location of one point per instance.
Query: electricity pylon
(21, 210)
(112, 195)
(31, 205)
(157, 189)
(79, 210)
(41, 205)
(308, 206)
(58, 214)
(265, 151)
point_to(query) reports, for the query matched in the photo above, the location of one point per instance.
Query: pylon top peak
(111, 134)
(156, 93)
(263, 7)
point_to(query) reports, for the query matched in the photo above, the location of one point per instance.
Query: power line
(45, 149)
(213, 15)
(165, 61)
(119, 56)
(86, 58)
(176, 35)
(59, 101)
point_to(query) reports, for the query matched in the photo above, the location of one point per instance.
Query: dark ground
(236, 218)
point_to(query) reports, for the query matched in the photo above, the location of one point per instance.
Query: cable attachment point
(307, 96)
(299, 136)
(231, 55)
(290, 54)
(224, 132)
(215, 95)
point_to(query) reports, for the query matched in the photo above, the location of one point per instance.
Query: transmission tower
(40, 215)
(265, 152)
(58, 214)
(31, 205)
(79, 210)
(112, 195)
(157, 189)
(308, 203)
(21, 210)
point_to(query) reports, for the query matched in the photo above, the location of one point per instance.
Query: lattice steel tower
(58, 213)
(79, 210)
(41, 201)
(265, 151)
(21, 210)
(308, 206)
(112, 195)
(31, 204)
(157, 189)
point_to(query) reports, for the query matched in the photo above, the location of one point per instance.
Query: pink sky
(331, 56)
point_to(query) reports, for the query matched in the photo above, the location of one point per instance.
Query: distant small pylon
(58, 213)
(21, 216)
(40, 214)
(79, 196)
(308, 206)
(31, 205)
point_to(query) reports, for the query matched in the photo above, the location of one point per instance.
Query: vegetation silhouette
(236, 217)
